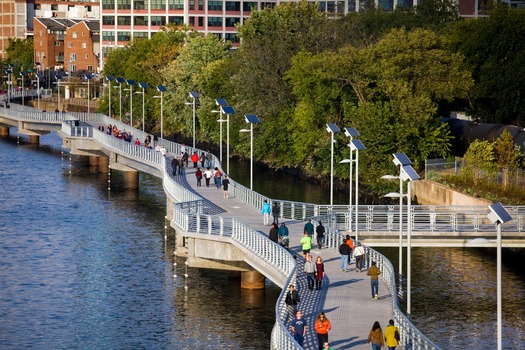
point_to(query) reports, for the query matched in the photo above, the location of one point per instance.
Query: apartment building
(71, 45)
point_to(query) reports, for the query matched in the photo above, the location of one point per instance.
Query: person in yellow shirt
(306, 243)
(391, 336)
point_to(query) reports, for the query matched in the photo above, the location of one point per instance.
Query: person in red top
(322, 326)
(319, 274)
(195, 159)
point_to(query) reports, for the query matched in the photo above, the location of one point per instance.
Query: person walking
(299, 328)
(359, 254)
(217, 176)
(374, 273)
(275, 212)
(309, 228)
(343, 250)
(319, 230)
(292, 299)
(266, 210)
(319, 274)
(209, 159)
(198, 175)
(322, 326)
(174, 165)
(306, 244)
(202, 159)
(310, 270)
(207, 176)
(376, 337)
(274, 234)
(391, 336)
(283, 235)
(195, 159)
(225, 184)
(351, 245)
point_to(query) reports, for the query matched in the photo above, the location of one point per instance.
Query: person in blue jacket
(266, 211)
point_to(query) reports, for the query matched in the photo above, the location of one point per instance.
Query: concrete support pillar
(34, 139)
(93, 160)
(169, 208)
(4, 131)
(252, 280)
(131, 180)
(103, 164)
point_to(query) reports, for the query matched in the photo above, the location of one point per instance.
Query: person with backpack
(275, 213)
(344, 250)
(320, 234)
(217, 176)
(292, 299)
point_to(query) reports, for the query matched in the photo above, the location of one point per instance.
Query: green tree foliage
(20, 53)
(143, 60)
(495, 51)
(195, 70)
(478, 162)
(507, 156)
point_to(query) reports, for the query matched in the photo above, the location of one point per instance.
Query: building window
(248, 6)
(176, 20)
(215, 5)
(192, 21)
(86, 56)
(201, 21)
(140, 4)
(214, 22)
(201, 5)
(70, 44)
(108, 20)
(90, 68)
(192, 4)
(158, 21)
(73, 57)
(218, 35)
(123, 36)
(73, 67)
(233, 6)
(231, 21)
(40, 32)
(141, 20)
(108, 4)
(74, 35)
(108, 36)
(232, 37)
(54, 7)
(176, 4)
(40, 42)
(158, 4)
(140, 35)
(124, 20)
(84, 45)
(124, 4)
(57, 43)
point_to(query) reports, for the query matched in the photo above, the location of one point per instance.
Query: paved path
(345, 296)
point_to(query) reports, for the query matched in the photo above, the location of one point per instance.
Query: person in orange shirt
(322, 326)
(350, 243)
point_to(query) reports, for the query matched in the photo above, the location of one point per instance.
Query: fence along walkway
(191, 208)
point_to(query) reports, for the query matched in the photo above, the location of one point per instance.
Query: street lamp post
(332, 129)
(220, 102)
(120, 81)
(228, 110)
(22, 79)
(143, 85)
(400, 195)
(356, 145)
(162, 89)
(194, 96)
(58, 77)
(88, 78)
(351, 133)
(38, 76)
(131, 83)
(9, 73)
(499, 215)
(252, 119)
(109, 78)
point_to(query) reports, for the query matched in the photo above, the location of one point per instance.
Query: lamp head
(498, 214)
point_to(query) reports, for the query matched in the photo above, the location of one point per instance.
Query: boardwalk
(345, 297)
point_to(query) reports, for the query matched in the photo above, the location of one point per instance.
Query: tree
(507, 156)
(20, 53)
(478, 162)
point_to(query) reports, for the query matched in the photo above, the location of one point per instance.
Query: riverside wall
(432, 193)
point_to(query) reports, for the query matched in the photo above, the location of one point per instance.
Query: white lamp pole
(194, 96)
(143, 85)
(351, 133)
(22, 78)
(120, 81)
(131, 83)
(109, 78)
(252, 119)
(162, 89)
(88, 77)
(356, 145)
(332, 129)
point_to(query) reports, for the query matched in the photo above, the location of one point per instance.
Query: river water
(82, 267)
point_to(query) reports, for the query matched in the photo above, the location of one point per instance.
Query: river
(86, 268)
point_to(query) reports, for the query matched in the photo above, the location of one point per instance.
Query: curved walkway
(345, 296)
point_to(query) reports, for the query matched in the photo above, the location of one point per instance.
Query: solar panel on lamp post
(332, 129)
(228, 110)
(88, 78)
(143, 85)
(162, 89)
(252, 119)
(131, 83)
(109, 78)
(351, 133)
